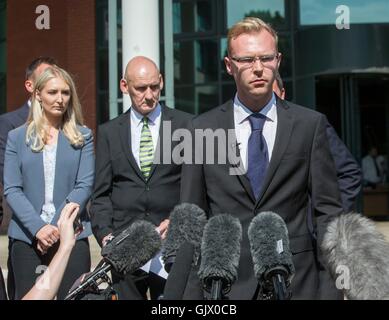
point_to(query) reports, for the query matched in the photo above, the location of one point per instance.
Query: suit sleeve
(85, 175)
(101, 207)
(5, 127)
(13, 187)
(193, 189)
(347, 169)
(325, 200)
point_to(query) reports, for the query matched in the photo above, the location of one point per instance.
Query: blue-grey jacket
(24, 183)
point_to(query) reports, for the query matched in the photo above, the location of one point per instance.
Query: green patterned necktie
(146, 149)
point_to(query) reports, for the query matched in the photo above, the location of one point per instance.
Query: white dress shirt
(243, 127)
(369, 170)
(49, 160)
(136, 129)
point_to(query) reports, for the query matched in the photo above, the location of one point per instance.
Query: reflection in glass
(288, 86)
(206, 98)
(196, 99)
(223, 53)
(317, 12)
(103, 82)
(284, 47)
(184, 99)
(191, 17)
(194, 61)
(271, 11)
(103, 108)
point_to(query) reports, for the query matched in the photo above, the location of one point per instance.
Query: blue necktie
(258, 158)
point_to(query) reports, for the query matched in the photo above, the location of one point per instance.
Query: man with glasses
(284, 153)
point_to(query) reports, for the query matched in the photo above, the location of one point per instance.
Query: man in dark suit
(14, 119)
(347, 169)
(280, 159)
(129, 184)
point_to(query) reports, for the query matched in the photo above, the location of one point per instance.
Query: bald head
(143, 83)
(140, 66)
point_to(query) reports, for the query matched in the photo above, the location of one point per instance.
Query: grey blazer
(24, 184)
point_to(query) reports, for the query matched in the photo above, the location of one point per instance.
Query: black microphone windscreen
(133, 247)
(358, 253)
(186, 224)
(220, 249)
(269, 244)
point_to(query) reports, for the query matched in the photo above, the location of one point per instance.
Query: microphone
(220, 253)
(186, 224)
(125, 253)
(358, 254)
(272, 258)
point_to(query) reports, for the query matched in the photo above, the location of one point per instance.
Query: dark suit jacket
(9, 121)
(121, 194)
(347, 169)
(348, 172)
(301, 166)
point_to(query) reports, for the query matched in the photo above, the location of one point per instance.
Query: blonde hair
(249, 25)
(36, 134)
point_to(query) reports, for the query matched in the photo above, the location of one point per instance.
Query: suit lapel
(227, 122)
(64, 155)
(125, 134)
(37, 164)
(285, 123)
(61, 157)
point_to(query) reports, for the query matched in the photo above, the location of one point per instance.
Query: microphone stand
(275, 279)
(93, 280)
(279, 287)
(216, 290)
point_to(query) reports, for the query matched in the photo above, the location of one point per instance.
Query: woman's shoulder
(85, 131)
(19, 131)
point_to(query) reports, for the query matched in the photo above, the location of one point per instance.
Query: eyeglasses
(249, 61)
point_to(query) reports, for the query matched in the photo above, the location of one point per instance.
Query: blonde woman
(48, 169)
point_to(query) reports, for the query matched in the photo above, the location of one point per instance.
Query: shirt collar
(137, 118)
(242, 112)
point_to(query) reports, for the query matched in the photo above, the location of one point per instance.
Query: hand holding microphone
(125, 253)
(162, 228)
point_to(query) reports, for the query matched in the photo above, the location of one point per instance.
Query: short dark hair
(280, 83)
(36, 63)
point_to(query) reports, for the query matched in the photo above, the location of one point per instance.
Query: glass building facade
(339, 70)
(200, 45)
(320, 12)
(323, 68)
